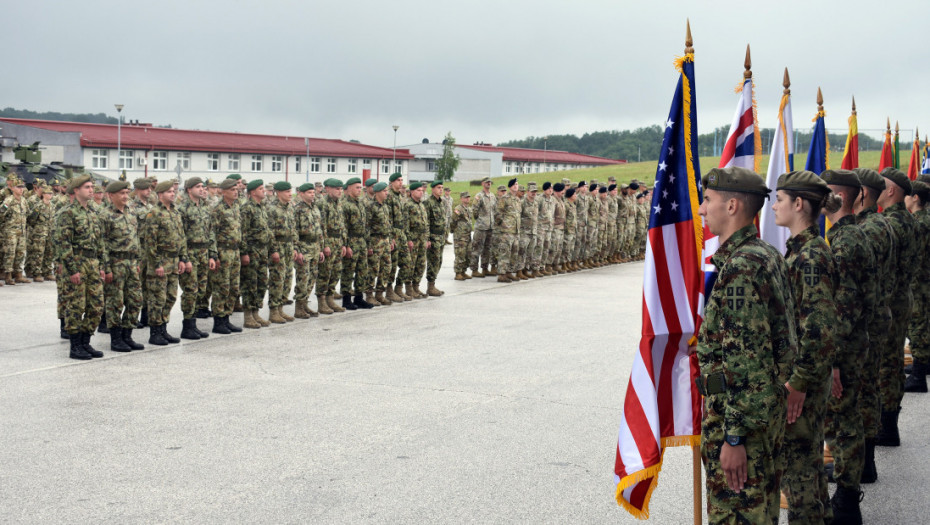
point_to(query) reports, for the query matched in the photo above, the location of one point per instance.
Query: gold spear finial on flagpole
(854, 105)
(688, 41)
(786, 82)
(888, 125)
(747, 64)
(897, 128)
(819, 99)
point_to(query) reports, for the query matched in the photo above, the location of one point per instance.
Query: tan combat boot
(416, 290)
(20, 278)
(370, 298)
(399, 290)
(259, 319)
(286, 317)
(459, 277)
(502, 278)
(480, 273)
(37, 279)
(379, 296)
(50, 277)
(333, 305)
(250, 321)
(467, 276)
(323, 306)
(274, 315)
(432, 291)
(8, 279)
(307, 309)
(300, 311)
(391, 295)
(492, 272)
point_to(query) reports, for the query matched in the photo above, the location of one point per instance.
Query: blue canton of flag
(671, 199)
(817, 157)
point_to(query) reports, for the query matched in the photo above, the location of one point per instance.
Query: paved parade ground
(497, 403)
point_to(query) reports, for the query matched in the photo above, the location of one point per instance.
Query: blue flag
(817, 156)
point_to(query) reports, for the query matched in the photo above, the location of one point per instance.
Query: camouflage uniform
(447, 214)
(201, 248)
(748, 335)
(256, 243)
(613, 209)
(381, 232)
(483, 210)
(418, 232)
(334, 238)
(558, 230)
(571, 226)
(545, 210)
(856, 293)
(400, 258)
(140, 209)
(283, 241)
(13, 214)
(891, 372)
(594, 215)
(461, 234)
(225, 223)
(164, 245)
(355, 278)
(529, 213)
(78, 243)
(581, 233)
(436, 219)
(918, 332)
(507, 216)
(309, 243)
(121, 256)
(39, 223)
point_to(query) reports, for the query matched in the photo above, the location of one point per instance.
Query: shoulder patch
(736, 297)
(811, 274)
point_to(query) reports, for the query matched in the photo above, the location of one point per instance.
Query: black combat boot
(845, 504)
(61, 330)
(143, 318)
(362, 303)
(77, 348)
(127, 338)
(219, 326)
(168, 337)
(203, 313)
(201, 333)
(155, 337)
(189, 332)
(869, 472)
(116, 340)
(102, 328)
(917, 381)
(347, 303)
(888, 435)
(232, 328)
(85, 340)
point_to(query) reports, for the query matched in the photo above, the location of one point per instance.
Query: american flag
(662, 406)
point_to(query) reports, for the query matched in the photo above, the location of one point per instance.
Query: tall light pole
(307, 143)
(119, 136)
(394, 154)
(545, 150)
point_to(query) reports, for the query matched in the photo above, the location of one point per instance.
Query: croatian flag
(662, 407)
(781, 161)
(743, 148)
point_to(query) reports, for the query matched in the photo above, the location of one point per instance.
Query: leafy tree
(449, 162)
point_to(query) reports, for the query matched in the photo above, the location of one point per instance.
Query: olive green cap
(870, 179)
(307, 186)
(379, 186)
(921, 189)
(98, 188)
(566, 182)
(191, 182)
(531, 186)
(740, 180)
(802, 180)
(502, 188)
(14, 180)
(841, 178)
(485, 179)
(394, 176)
(234, 176)
(228, 184)
(898, 177)
(282, 185)
(141, 183)
(371, 181)
(164, 186)
(435, 183)
(416, 185)
(924, 177)
(77, 182)
(332, 183)
(464, 194)
(117, 186)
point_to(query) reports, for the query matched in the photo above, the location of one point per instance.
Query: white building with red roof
(147, 150)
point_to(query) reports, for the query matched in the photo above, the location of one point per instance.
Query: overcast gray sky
(485, 70)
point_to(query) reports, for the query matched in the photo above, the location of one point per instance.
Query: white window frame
(297, 164)
(160, 160)
(508, 167)
(99, 158)
(385, 167)
(232, 162)
(315, 164)
(126, 159)
(213, 162)
(366, 164)
(277, 163)
(184, 157)
(331, 165)
(353, 165)
(256, 163)
(399, 166)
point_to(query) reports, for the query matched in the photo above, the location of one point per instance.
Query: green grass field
(645, 171)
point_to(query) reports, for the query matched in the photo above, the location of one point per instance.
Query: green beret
(435, 183)
(415, 185)
(332, 183)
(257, 183)
(191, 182)
(77, 182)
(117, 186)
(234, 176)
(306, 187)
(142, 183)
(282, 185)
(870, 179)
(464, 194)
(736, 179)
(228, 184)
(898, 177)
(394, 176)
(164, 186)
(353, 180)
(841, 178)
(379, 186)
(371, 181)
(802, 180)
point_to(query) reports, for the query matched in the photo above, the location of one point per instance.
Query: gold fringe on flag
(689, 162)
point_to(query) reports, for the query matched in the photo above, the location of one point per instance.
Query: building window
(314, 164)
(353, 165)
(125, 159)
(296, 164)
(277, 163)
(508, 168)
(385, 167)
(330, 165)
(366, 164)
(184, 159)
(98, 159)
(160, 160)
(430, 165)
(536, 168)
(232, 162)
(213, 162)
(256, 163)
(398, 167)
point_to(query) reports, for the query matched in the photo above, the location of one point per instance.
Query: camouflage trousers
(480, 249)
(527, 248)
(280, 276)
(555, 246)
(581, 235)
(306, 273)
(843, 427)
(82, 304)
(891, 372)
(37, 259)
(355, 278)
(568, 247)
(224, 282)
(400, 260)
(161, 292)
(493, 244)
(123, 296)
(508, 253)
(379, 263)
(434, 256)
(194, 282)
(60, 288)
(253, 280)
(601, 249)
(918, 330)
(612, 239)
(870, 403)
(330, 269)
(14, 251)
(590, 249)
(758, 501)
(462, 245)
(417, 260)
(805, 482)
(541, 251)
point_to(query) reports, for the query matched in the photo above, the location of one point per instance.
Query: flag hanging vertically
(818, 156)
(743, 148)
(897, 145)
(662, 407)
(851, 151)
(913, 167)
(781, 161)
(887, 158)
(926, 164)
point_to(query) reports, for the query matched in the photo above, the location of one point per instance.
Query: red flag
(887, 159)
(913, 167)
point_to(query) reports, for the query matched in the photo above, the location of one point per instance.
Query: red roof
(538, 155)
(148, 137)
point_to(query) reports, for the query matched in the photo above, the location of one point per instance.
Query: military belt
(124, 255)
(228, 245)
(198, 245)
(710, 384)
(308, 238)
(282, 238)
(170, 254)
(91, 254)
